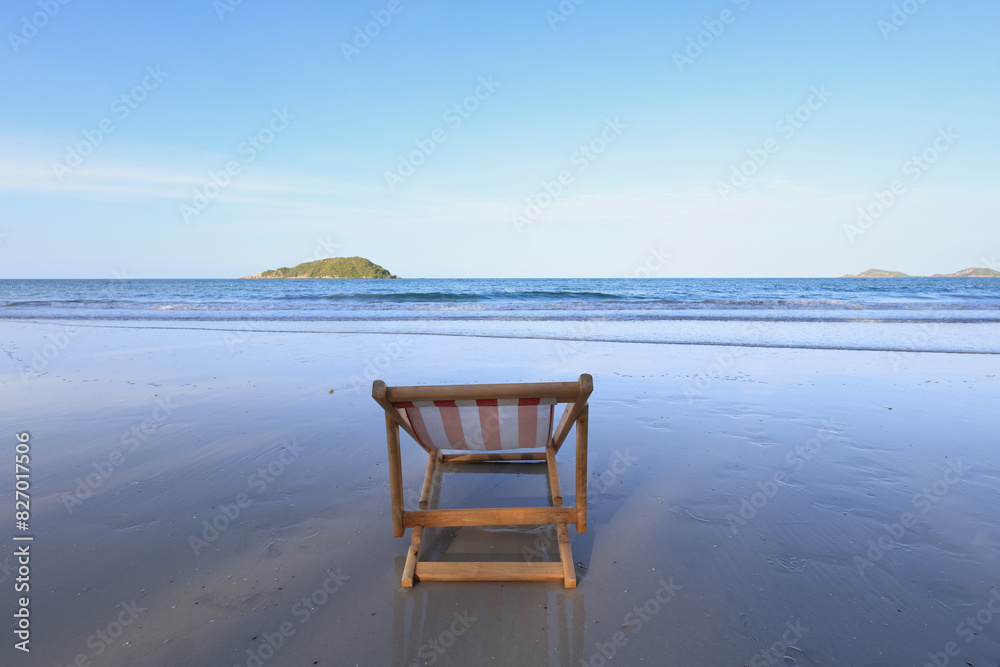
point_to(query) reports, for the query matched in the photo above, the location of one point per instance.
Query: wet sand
(748, 506)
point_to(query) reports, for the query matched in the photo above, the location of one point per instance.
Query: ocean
(898, 314)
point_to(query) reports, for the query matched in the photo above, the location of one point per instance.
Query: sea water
(905, 314)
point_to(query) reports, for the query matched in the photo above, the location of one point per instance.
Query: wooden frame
(575, 395)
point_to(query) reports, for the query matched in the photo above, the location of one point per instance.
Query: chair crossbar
(492, 516)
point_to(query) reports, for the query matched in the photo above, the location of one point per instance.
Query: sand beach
(199, 497)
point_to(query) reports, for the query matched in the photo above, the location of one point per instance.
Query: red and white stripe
(516, 423)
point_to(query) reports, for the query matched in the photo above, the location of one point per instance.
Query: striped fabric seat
(497, 424)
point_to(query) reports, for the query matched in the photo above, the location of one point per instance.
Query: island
(964, 273)
(878, 273)
(332, 267)
(970, 273)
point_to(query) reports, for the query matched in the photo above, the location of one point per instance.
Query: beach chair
(473, 424)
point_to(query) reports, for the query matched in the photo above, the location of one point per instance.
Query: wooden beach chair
(487, 423)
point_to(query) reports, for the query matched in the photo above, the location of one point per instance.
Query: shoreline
(245, 328)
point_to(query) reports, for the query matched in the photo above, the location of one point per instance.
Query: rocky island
(964, 273)
(970, 273)
(332, 267)
(878, 273)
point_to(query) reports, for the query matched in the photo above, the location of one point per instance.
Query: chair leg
(555, 491)
(582, 426)
(412, 556)
(395, 475)
(565, 553)
(566, 556)
(425, 491)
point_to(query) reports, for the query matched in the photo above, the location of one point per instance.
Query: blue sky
(516, 139)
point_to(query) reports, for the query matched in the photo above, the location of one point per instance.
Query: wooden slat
(501, 516)
(378, 393)
(425, 491)
(395, 475)
(561, 391)
(550, 460)
(582, 428)
(573, 410)
(494, 456)
(412, 555)
(561, 427)
(566, 556)
(489, 571)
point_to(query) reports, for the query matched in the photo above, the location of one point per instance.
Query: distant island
(970, 273)
(964, 273)
(878, 273)
(332, 267)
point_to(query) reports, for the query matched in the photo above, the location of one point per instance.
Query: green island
(332, 267)
(964, 273)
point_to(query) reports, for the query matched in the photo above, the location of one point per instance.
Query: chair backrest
(489, 417)
(484, 424)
